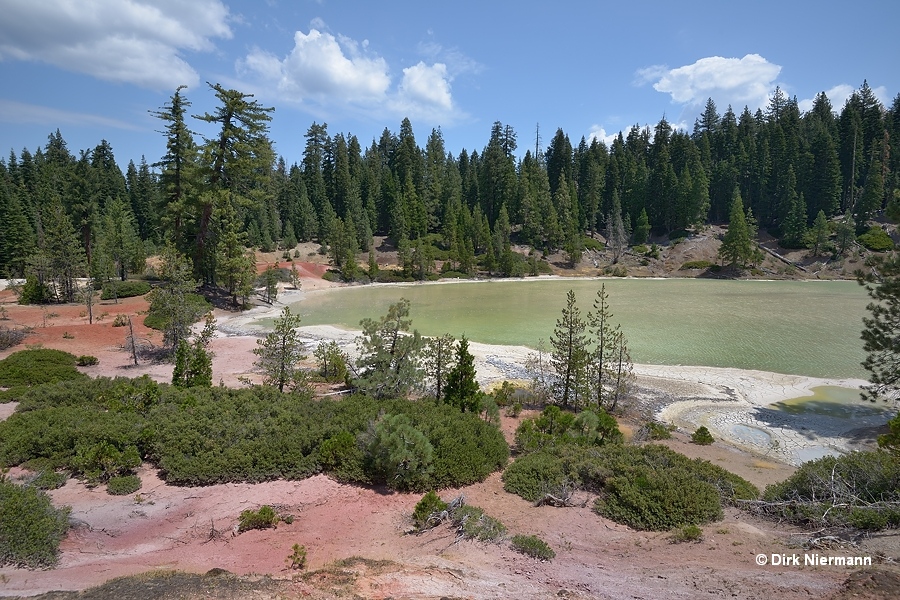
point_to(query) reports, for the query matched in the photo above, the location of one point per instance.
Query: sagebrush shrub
(123, 485)
(533, 546)
(263, 518)
(429, 504)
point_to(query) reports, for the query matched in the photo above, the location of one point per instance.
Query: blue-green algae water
(807, 328)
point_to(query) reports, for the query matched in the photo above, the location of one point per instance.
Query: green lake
(799, 327)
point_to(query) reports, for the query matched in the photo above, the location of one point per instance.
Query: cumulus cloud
(737, 81)
(327, 71)
(130, 41)
(321, 66)
(599, 132)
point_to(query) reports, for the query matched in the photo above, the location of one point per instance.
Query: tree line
(210, 198)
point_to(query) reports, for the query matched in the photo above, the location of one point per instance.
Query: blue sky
(94, 68)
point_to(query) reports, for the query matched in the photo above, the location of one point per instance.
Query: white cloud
(319, 67)
(327, 72)
(130, 41)
(20, 112)
(425, 90)
(736, 81)
(598, 132)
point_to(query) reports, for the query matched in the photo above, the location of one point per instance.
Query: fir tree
(280, 354)
(569, 356)
(462, 389)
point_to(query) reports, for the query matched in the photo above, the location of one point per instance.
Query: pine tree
(737, 245)
(388, 364)
(881, 337)
(818, 234)
(437, 360)
(193, 362)
(280, 354)
(170, 303)
(569, 356)
(462, 389)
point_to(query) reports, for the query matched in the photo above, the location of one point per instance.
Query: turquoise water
(797, 327)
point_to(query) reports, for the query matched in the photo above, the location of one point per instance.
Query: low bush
(645, 487)
(11, 337)
(38, 366)
(702, 436)
(429, 504)
(640, 249)
(124, 289)
(34, 292)
(593, 244)
(695, 264)
(48, 479)
(264, 518)
(120, 320)
(688, 533)
(297, 558)
(533, 546)
(876, 240)
(658, 431)
(30, 527)
(86, 360)
(557, 427)
(123, 485)
(472, 524)
(859, 489)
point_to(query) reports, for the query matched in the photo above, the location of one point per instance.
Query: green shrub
(702, 436)
(37, 366)
(688, 533)
(264, 518)
(30, 527)
(124, 289)
(859, 489)
(103, 460)
(399, 454)
(123, 485)
(658, 431)
(876, 240)
(120, 320)
(533, 546)
(640, 249)
(695, 264)
(593, 244)
(155, 320)
(49, 479)
(34, 292)
(646, 487)
(297, 558)
(429, 504)
(86, 360)
(473, 524)
(555, 427)
(340, 457)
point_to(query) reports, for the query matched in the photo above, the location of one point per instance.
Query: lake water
(799, 327)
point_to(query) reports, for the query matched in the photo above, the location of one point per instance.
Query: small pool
(833, 401)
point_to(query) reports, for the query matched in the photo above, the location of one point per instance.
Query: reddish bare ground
(191, 529)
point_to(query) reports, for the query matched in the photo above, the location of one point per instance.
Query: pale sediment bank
(734, 404)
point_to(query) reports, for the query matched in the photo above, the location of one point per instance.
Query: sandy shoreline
(735, 404)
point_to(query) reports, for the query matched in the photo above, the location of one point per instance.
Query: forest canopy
(67, 215)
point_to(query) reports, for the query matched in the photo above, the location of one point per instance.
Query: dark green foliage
(332, 362)
(646, 487)
(891, 441)
(687, 533)
(658, 431)
(876, 240)
(555, 427)
(859, 489)
(880, 337)
(533, 546)
(702, 436)
(34, 367)
(398, 453)
(30, 527)
(196, 304)
(264, 518)
(124, 289)
(200, 436)
(462, 390)
(86, 360)
(34, 292)
(49, 479)
(695, 264)
(429, 504)
(123, 485)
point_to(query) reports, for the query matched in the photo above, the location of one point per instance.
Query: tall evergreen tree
(569, 355)
(462, 389)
